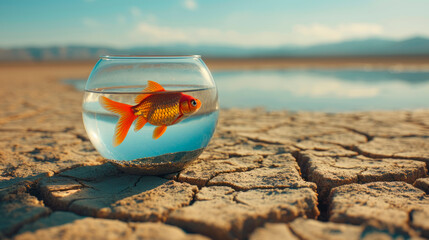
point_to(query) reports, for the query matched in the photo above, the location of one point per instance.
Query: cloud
(135, 11)
(152, 33)
(340, 32)
(190, 4)
(121, 19)
(89, 22)
(155, 34)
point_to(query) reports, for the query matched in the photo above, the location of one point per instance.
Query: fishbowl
(150, 115)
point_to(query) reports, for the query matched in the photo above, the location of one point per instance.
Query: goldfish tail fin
(159, 131)
(125, 121)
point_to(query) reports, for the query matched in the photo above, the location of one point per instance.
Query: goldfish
(152, 106)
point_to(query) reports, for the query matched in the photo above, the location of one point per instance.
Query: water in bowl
(191, 135)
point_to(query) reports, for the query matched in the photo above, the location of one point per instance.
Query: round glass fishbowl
(150, 115)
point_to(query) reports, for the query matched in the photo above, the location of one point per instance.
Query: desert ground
(283, 175)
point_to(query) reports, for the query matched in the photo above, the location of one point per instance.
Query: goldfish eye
(194, 103)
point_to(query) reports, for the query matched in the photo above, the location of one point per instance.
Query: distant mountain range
(368, 47)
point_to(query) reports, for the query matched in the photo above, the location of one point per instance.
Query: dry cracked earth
(265, 175)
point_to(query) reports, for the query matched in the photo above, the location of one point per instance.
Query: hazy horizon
(218, 45)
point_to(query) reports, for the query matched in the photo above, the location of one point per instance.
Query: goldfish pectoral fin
(177, 119)
(159, 131)
(122, 128)
(151, 87)
(141, 121)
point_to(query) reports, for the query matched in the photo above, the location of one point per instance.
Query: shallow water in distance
(335, 90)
(190, 134)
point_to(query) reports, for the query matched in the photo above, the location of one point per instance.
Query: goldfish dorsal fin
(151, 87)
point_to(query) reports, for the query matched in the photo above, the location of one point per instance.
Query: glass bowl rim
(148, 56)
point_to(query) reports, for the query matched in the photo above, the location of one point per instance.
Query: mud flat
(265, 175)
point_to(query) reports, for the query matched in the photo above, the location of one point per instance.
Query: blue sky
(249, 23)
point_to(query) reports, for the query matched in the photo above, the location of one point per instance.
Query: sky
(246, 23)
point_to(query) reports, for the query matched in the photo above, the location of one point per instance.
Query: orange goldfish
(161, 110)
